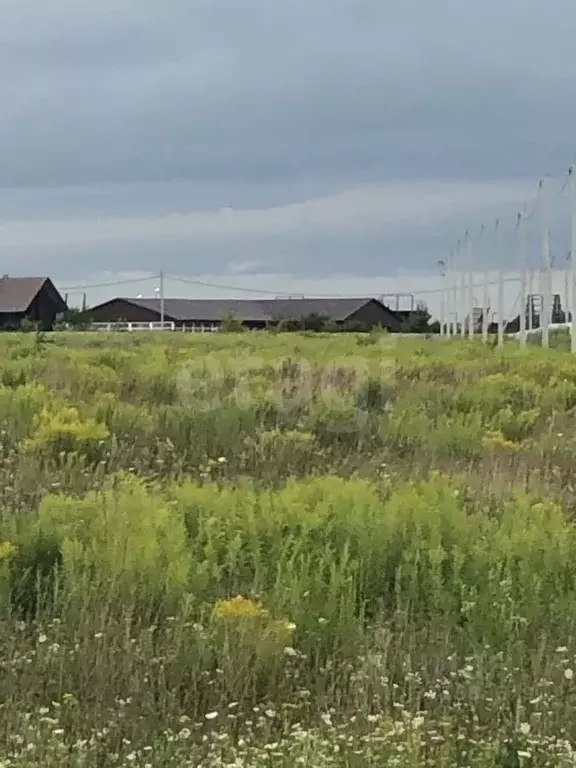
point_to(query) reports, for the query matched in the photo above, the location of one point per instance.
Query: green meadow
(272, 550)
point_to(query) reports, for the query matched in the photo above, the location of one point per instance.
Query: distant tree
(231, 324)
(418, 321)
(76, 318)
(355, 326)
(273, 327)
(314, 322)
(73, 319)
(28, 326)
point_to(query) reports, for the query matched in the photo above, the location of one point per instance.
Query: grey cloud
(228, 90)
(140, 108)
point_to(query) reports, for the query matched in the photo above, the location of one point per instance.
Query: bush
(64, 431)
(127, 542)
(231, 324)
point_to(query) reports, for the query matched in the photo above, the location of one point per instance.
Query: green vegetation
(260, 549)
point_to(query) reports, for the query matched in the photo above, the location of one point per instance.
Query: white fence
(130, 327)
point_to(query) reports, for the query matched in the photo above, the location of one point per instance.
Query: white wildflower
(211, 715)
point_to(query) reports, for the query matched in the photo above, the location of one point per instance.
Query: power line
(206, 284)
(475, 285)
(242, 289)
(566, 182)
(268, 292)
(535, 204)
(108, 285)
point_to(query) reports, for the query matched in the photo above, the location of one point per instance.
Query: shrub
(126, 541)
(34, 574)
(231, 324)
(64, 431)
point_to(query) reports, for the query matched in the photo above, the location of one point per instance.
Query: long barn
(362, 312)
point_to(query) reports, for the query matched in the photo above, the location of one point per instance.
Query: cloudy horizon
(333, 143)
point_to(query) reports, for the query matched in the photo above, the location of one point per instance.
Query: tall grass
(278, 550)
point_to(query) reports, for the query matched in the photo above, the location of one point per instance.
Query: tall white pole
(523, 246)
(463, 298)
(442, 266)
(162, 298)
(485, 307)
(530, 300)
(486, 282)
(449, 294)
(500, 287)
(566, 301)
(451, 308)
(470, 289)
(545, 278)
(455, 293)
(573, 259)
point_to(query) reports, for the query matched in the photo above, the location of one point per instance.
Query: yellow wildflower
(240, 609)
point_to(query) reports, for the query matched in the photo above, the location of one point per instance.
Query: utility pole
(463, 295)
(485, 307)
(567, 288)
(486, 295)
(470, 288)
(500, 286)
(573, 255)
(449, 297)
(455, 292)
(530, 300)
(545, 278)
(162, 298)
(443, 328)
(523, 245)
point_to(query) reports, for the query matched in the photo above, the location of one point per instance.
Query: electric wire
(282, 293)
(112, 284)
(206, 284)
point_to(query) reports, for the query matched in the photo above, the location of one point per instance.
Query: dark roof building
(365, 312)
(29, 298)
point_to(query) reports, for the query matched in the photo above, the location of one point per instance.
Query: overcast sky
(239, 140)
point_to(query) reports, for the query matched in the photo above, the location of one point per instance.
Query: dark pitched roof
(17, 293)
(210, 310)
(259, 310)
(294, 309)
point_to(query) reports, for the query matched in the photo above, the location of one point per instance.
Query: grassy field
(280, 550)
